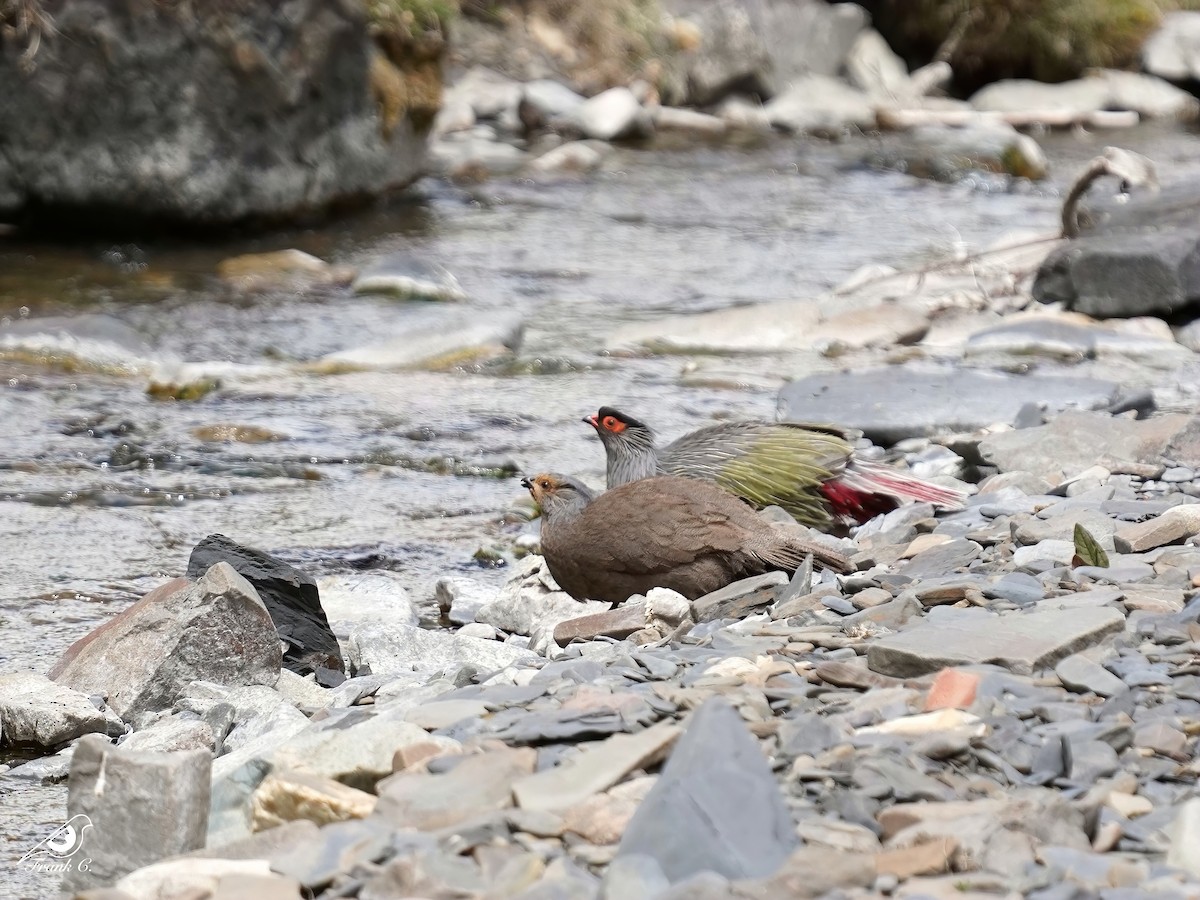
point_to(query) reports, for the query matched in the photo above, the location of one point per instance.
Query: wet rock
(761, 326)
(279, 269)
(88, 343)
(290, 596)
(475, 785)
(1069, 341)
(738, 600)
(610, 115)
(716, 806)
(405, 277)
(913, 403)
(144, 658)
(818, 104)
(290, 795)
(687, 122)
(1074, 441)
(572, 157)
(1173, 51)
(430, 338)
(471, 157)
(352, 599)
(547, 104)
(406, 648)
(595, 768)
(1021, 642)
(275, 129)
(1073, 98)
(1148, 96)
(948, 153)
(35, 710)
(142, 807)
(1171, 527)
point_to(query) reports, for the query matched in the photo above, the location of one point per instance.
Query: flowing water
(104, 490)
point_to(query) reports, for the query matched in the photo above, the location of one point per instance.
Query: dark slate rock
(891, 404)
(1144, 260)
(290, 596)
(738, 600)
(716, 806)
(809, 734)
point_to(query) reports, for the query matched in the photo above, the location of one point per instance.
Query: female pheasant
(809, 470)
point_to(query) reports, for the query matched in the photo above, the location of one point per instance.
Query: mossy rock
(1046, 40)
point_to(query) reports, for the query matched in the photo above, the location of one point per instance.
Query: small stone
(404, 276)
(610, 115)
(952, 689)
(1129, 805)
(618, 623)
(737, 600)
(1079, 673)
(410, 754)
(1173, 526)
(290, 795)
(1160, 737)
(444, 713)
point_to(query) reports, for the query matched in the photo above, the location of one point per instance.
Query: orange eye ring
(613, 424)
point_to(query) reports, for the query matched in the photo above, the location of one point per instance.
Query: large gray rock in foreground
(35, 710)
(144, 659)
(142, 807)
(889, 405)
(207, 113)
(716, 806)
(1021, 642)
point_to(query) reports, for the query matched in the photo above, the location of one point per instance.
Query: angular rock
(144, 658)
(290, 596)
(290, 795)
(597, 767)
(460, 599)
(373, 596)
(908, 403)
(142, 807)
(1173, 526)
(737, 600)
(406, 648)
(1079, 673)
(520, 612)
(476, 785)
(716, 806)
(334, 850)
(1021, 642)
(35, 710)
(618, 623)
(172, 734)
(291, 111)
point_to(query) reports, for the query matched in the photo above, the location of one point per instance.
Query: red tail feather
(865, 490)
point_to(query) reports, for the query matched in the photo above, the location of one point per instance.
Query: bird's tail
(873, 478)
(800, 544)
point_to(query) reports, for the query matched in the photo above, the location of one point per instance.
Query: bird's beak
(594, 421)
(527, 483)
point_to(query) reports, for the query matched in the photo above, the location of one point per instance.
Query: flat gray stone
(737, 600)
(142, 807)
(1078, 673)
(1021, 642)
(597, 767)
(890, 404)
(1172, 527)
(35, 710)
(716, 806)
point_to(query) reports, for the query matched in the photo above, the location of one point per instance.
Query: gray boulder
(1173, 52)
(1141, 258)
(142, 807)
(211, 113)
(143, 659)
(35, 710)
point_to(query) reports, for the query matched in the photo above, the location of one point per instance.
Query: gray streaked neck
(631, 460)
(567, 503)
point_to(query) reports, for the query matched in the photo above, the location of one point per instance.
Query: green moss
(1047, 40)
(411, 16)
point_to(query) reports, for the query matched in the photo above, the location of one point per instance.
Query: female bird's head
(620, 432)
(558, 494)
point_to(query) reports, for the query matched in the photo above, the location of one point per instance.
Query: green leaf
(1088, 549)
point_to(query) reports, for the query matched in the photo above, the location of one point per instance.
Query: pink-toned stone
(952, 689)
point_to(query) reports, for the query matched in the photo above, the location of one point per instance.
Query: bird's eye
(613, 424)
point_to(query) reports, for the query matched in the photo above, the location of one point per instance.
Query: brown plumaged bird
(680, 533)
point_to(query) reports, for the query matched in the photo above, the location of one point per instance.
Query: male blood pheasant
(809, 470)
(692, 537)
